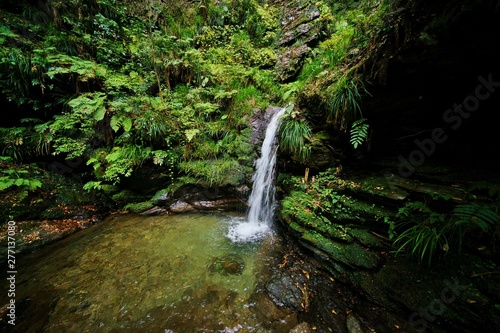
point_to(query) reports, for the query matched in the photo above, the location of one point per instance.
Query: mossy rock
(364, 237)
(323, 156)
(351, 255)
(365, 211)
(335, 231)
(110, 189)
(139, 207)
(161, 197)
(295, 210)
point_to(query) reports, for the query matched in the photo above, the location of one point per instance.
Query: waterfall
(262, 200)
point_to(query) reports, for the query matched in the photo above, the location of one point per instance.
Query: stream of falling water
(262, 198)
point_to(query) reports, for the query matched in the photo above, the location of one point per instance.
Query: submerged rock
(155, 211)
(301, 328)
(274, 318)
(353, 325)
(222, 204)
(229, 264)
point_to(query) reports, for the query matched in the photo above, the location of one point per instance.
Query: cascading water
(262, 200)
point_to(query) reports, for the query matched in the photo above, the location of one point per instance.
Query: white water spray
(262, 201)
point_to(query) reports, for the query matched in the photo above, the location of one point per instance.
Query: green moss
(297, 227)
(364, 237)
(139, 207)
(163, 193)
(365, 211)
(351, 255)
(334, 231)
(295, 209)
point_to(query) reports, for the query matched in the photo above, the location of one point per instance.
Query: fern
(119, 121)
(359, 132)
(294, 133)
(476, 215)
(31, 120)
(90, 104)
(92, 185)
(470, 217)
(429, 231)
(64, 64)
(11, 178)
(344, 101)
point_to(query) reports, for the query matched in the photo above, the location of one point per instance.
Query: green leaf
(99, 113)
(359, 132)
(114, 123)
(92, 185)
(5, 184)
(127, 124)
(191, 133)
(114, 156)
(34, 184)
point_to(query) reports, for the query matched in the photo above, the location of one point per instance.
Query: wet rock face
(289, 287)
(259, 122)
(284, 291)
(300, 31)
(290, 62)
(449, 296)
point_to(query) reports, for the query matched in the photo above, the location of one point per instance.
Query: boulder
(181, 207)
(288, 290)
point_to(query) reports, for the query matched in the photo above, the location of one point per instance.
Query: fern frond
(359, 132)
(475, 215)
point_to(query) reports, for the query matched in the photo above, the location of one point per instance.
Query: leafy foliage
(293, 133)
(19, 178)
(126, 84)
(217, 172)
(427, 231)
(359, 132)
(22, 142)
(344, 101)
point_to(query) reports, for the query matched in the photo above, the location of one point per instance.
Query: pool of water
(150, 274)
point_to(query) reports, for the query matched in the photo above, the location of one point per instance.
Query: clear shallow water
(150, 274)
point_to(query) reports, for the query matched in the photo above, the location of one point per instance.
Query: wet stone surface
(228, 264)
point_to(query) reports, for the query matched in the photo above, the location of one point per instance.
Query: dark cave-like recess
(429, 78)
